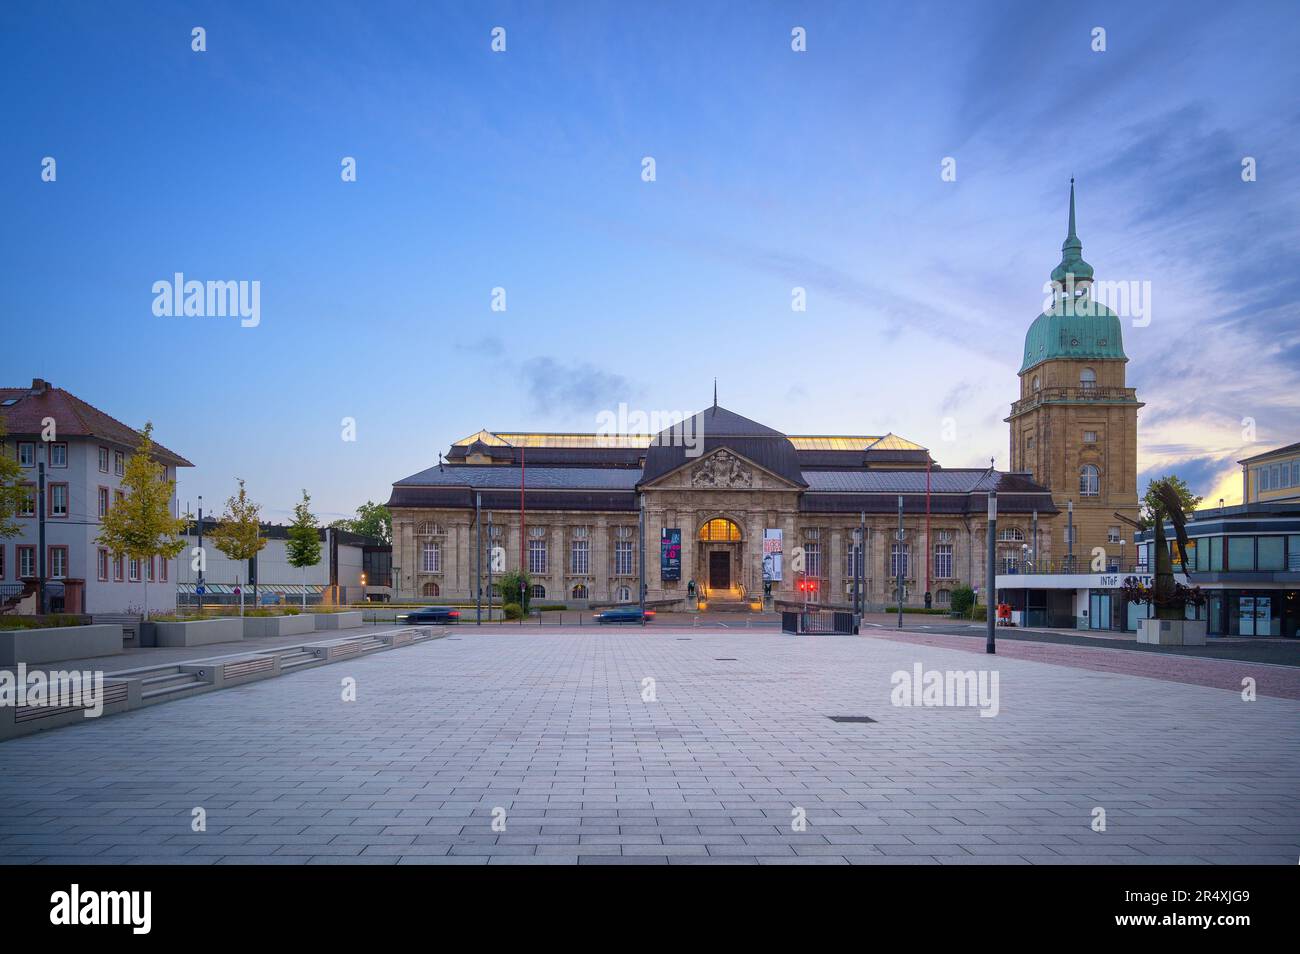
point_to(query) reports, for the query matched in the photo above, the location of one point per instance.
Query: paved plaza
(558, 737)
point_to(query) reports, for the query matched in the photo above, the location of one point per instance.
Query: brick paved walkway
(552, 729)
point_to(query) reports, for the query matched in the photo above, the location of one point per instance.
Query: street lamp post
(898, 564)
(478, 567)
(641, 555)
(1069, 536)
(990, 644)
(202, 559)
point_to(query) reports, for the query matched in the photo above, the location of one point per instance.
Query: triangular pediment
(721, 469)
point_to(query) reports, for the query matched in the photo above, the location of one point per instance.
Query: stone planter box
(57, 643)
(1172, 632)
(258, 626)
(348, 620)
(199, 632)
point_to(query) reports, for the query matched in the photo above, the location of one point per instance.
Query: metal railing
(1073, 395)
(1078, 564)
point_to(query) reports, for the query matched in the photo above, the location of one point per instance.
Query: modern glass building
(1247, 560)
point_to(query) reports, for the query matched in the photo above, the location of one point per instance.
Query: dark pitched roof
(716, 428)
(72, 416)
(489, 476)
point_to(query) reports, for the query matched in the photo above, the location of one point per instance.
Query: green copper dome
(1083, 330)
(1076, 327)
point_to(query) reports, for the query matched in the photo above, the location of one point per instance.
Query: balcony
(1075, 396)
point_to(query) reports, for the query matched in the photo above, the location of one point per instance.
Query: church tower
(1074, 427)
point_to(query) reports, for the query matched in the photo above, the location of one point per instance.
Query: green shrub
(551, 609)
(512, 610)
(963, 598)
(41, 622)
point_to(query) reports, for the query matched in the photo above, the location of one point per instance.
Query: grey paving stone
(551, 727)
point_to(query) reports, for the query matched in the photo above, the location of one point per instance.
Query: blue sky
(522, 170)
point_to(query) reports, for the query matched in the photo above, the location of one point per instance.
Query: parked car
(431, 614)
(623, 614)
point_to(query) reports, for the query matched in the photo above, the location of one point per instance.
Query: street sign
(200, 590)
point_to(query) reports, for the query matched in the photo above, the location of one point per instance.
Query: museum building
(736, 507)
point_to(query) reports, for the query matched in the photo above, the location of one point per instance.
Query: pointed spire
(1072, 235)
(715, 394)
(1072, 268)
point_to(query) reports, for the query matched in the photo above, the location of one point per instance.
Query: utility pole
(860, 569)
(990, 645)
(1069, 536)
(898, 563)
(202, 558)
(641, 560)
(478, 566)
(40, 538)
(521, 572)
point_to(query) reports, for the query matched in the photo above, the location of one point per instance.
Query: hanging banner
(670, 553)
(772, 554)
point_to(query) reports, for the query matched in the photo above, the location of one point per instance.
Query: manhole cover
(851, 718)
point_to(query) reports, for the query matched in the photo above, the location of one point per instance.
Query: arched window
(430, 589)
(1087, 379)
(720, 529)
(1034, 385)
(943, 597)
(1089, 481)
(624, 595)
(429, 529)
(1011, 534)
(431, 557)
(537, 591)
(580, 591)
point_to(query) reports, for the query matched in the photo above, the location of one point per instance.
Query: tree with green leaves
(239, 533)
(141, 526)
(12, 491)
(1167, 500)
(303, 547)
(1153, 502)
(372, 520)
(515, 588)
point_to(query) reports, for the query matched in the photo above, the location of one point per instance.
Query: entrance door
(1099, 610)
(719, 570)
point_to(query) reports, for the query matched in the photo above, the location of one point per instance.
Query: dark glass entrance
(719, 570)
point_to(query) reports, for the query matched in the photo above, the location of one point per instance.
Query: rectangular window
(1241, 553)
(1215, 546)
(26, 453)
(579, 557)
(59, 454)
(943, 561)
(119, 463)
(1090, 437)
(1272, 554)
(26, 562)
(623, 558)
(101, 564)
(162, 569)
(117, 568)
(812, 553)
(103, 460)
(58, 562)
(853, 560)
(1112, 535)
(897, 560)
(133, 568)
(2, 561)
(118, 497)
(58, 500)
(148, 570)
(27, 502)
(537, 557)
(431, 557)
(102, 495)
